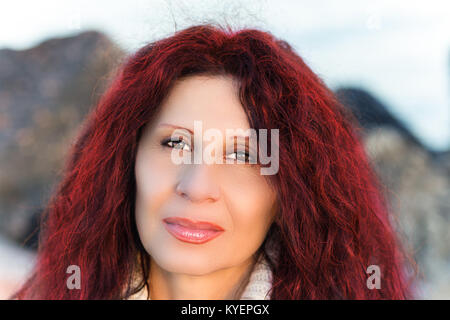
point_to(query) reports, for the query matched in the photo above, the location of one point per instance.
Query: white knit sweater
(260, 282)
(258, 287)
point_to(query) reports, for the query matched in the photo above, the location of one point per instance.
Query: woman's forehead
(213, 100)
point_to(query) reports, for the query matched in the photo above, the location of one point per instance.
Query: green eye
(240, 157)
(177, 144)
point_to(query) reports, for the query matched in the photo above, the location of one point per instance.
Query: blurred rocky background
(417, 185)
(46, 91)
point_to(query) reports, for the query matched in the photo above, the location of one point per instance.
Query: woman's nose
(197, 184)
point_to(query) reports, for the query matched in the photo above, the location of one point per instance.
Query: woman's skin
(234, 196)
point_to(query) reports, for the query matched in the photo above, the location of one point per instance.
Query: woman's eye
(240, 156)
(177, 144)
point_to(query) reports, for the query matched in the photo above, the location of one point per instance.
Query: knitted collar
(260, 282)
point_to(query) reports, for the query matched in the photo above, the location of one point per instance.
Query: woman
(139, 225)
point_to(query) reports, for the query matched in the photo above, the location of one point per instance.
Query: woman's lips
(196, 232)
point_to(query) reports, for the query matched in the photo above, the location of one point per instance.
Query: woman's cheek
(155, 171)
(155, 177)
(246, 188)
(250, 201)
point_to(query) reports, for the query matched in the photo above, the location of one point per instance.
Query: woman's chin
(187, 264)
(193, 269)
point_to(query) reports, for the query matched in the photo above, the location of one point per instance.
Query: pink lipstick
(196, 232)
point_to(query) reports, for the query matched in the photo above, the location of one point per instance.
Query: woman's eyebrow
(175, 127)
(246, 137)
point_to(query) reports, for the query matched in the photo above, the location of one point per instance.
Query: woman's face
(234, 196)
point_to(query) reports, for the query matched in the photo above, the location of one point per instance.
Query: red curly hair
(333, 221)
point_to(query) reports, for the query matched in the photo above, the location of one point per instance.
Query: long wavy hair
(333, 220)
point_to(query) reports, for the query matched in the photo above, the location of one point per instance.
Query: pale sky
(398, 50)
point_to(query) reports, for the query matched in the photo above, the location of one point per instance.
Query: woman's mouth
(196, 232)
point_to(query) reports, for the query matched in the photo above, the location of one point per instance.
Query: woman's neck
(224, 284)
